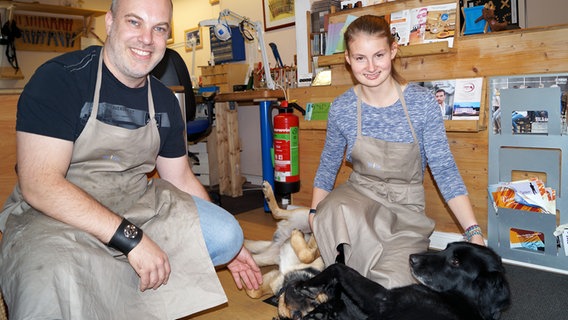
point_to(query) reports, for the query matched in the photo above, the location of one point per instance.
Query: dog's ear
(494, 295)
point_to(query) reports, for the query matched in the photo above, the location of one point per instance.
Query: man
(85, 234)
(395, 34)
(445, 109)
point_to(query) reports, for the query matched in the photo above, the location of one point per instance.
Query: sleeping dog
(464, 281)
(292, 248)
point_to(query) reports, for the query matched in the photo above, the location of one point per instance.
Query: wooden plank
(251, 95)
(236, 180)
(404, 51)
(303, 96)
(10, 73)
(384, 8)
(524, 51)
(53, 9)
(8, 178)
(494, 54)
(338, 58)
(221, 109)
(213, 158)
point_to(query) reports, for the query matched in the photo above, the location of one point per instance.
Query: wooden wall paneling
(501, 53)
(8, 178)
(312, 139)
(471, 156)
(526, 51)
(302, 96)
(311, 145)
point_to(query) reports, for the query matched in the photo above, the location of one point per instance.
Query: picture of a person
(395, 34)
(444, 108)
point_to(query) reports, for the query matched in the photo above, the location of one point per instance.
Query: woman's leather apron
(378, 213)
(69, 274)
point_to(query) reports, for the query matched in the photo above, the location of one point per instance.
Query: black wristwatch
(126, 237)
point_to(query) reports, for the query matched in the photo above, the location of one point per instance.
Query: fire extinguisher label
(286, 156)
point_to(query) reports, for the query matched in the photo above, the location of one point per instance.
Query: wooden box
(224, 76)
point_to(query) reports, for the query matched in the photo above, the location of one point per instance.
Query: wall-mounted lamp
(222, 30)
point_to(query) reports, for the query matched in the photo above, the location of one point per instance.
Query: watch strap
(126, 237)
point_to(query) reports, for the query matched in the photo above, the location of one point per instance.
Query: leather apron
(378, 213)
(69, 274)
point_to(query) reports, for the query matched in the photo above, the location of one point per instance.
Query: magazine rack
(546, 153)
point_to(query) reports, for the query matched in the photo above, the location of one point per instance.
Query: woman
(389, 130)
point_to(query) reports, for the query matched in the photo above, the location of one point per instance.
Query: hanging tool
(276, 54)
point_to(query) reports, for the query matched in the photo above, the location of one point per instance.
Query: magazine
(441, 23)
(467, 99)
(400, 26)
(418, 18)
(529, 195)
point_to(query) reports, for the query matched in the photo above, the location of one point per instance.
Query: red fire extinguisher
(286, 149)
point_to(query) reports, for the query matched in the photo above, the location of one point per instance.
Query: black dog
(464, 281)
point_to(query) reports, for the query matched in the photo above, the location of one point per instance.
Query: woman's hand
(311, 221)
(478, 239)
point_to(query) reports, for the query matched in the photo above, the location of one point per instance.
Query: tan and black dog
(292, 248)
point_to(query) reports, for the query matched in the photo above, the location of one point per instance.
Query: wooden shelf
(10, 73)
(451, 125)
(384, 8)
(52, 9)
(49, 28)
(404, 51)
(416, 52)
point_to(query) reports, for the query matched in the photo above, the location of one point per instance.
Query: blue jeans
(516, 117)
(222, 233)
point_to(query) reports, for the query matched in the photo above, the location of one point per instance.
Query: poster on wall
(459, 99)
(278, 14)
(193, 39)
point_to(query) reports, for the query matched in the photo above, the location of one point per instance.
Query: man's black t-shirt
(57, 102)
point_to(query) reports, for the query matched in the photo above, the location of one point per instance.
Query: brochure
(529, 195)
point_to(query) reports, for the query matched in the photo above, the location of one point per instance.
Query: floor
(536, 294)
(257, 225)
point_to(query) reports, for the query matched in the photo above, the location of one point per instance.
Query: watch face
(130, 231)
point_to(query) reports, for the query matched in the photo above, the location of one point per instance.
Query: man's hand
(150, 263)
(244, 269)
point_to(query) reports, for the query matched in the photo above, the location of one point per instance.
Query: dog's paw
(304, 252)
(297, 234)
(267, 189)
(254, 293)
(298, 241)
